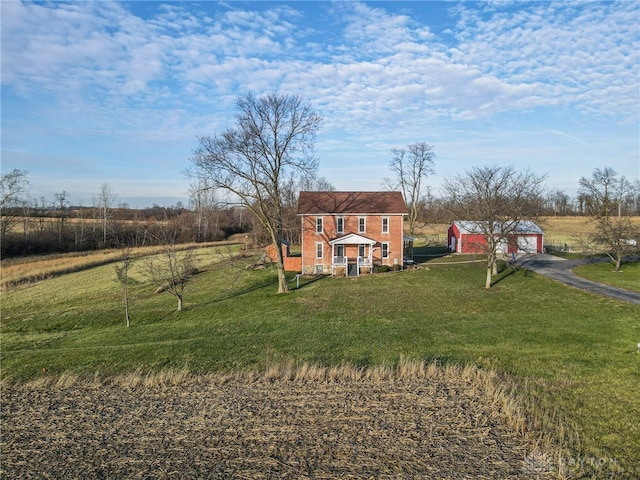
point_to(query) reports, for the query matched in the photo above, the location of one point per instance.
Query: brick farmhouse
(349, 233)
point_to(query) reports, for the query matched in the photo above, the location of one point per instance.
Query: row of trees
(37, 226)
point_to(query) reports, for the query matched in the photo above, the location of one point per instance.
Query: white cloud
(574, 54)
(377, 73)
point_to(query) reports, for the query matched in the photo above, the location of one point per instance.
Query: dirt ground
(436, 428)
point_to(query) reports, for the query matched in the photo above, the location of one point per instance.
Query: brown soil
(241, 427)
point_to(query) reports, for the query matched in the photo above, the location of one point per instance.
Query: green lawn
(574, 354)
(628, 277)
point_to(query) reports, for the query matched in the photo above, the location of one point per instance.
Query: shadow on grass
(304, 281)
(231, 294)
(510, 270)
(428, 253)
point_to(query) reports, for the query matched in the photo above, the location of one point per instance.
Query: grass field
(628, 277)
(22, 270)
(574, 354)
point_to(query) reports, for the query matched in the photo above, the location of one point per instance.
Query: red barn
(467, 237)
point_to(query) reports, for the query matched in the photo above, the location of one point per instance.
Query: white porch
(355, 264)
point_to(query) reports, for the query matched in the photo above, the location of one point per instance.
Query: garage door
(527, 244)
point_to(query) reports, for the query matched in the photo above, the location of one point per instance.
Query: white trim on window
(362, 224)
(385, 224)
(319, 250)
(319, 224)
(339, 224)
(361, 250)
(385, 249)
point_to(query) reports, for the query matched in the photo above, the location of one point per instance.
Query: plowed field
(242, 427)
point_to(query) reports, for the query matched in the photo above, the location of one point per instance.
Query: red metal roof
(333, 203)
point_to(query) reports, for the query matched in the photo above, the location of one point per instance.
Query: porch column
(332, 257)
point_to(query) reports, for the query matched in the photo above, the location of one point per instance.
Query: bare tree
(204, 204)
(411, 166)
(274, 136)
(172, 270)
(125, 262)
(62, 205)
(497, 199)
(13, 187)
(605, 194)
(290, 192)
(104, 202)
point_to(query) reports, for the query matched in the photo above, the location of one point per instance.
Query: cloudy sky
(118, 92)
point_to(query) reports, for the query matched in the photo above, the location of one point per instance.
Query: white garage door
(527, 244)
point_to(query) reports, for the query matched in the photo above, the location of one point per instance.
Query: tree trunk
(126, 305)
(487, 283)
(282, 279)
(179, 303)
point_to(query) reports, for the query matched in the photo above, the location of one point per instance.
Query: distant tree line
(31, 226)
(554, 203)
(40, 226)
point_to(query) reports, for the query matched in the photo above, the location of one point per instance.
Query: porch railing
(364, 262)
(339, 261)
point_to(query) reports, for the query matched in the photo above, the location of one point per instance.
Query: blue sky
(117, 92)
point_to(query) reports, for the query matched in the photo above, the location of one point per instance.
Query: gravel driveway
(561, 270)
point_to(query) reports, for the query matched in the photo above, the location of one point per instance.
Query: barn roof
(333, 203)
(523, 226)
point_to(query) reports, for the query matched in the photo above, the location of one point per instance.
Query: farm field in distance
(573, 355)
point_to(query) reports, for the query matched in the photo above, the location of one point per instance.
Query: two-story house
(348, 233)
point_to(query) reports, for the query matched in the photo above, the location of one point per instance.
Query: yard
(572, 355)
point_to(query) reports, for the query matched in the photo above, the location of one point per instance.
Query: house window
(339, 250)
(319, 228)
(385, 250)
(362, 224)
(340, 225)
(319, 249)
(361, 250)
(385, 224)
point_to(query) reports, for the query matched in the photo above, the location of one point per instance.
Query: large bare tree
(604, 195)
(273, 138)
(498, 200)
(411, 166)
(13, 187)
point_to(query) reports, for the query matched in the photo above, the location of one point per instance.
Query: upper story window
(339, 224)
(362, 224)
(319, 225)
(385, 224)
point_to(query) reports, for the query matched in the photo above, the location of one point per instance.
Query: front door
(352, 270)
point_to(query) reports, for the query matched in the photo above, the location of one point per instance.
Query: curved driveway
(562, 270)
